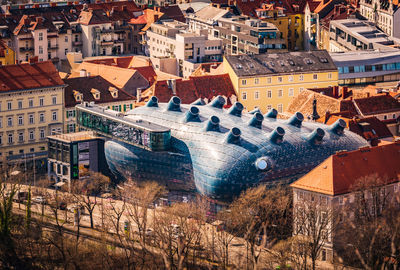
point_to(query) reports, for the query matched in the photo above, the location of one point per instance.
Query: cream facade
(27, 117)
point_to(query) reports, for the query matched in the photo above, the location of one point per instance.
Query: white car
(39, 200)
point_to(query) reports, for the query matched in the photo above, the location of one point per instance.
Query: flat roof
(74, 137)
(352, 58)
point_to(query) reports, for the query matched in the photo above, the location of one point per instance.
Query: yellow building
(7, 55)
(290, 25)
(272, 80)
(31, 108)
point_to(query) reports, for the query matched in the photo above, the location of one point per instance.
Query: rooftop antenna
(315, 115)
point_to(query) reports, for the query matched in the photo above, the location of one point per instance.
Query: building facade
(7, 55)
(31, 108)
(273, 80)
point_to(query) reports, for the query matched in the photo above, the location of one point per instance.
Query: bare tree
(370, 235)
(261, 216)
(87, 189)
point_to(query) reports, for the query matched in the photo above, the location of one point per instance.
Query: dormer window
(77, 95)
(113, 92)
(95, 93)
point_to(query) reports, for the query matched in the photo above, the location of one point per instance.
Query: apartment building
(245, 35)
(7, 55)
(94, 89)
(272, 80)
(172, 39)
(367, 67)
(31, 108)
(385, 14)
(50, 31)
(354, 34)
(331, 189)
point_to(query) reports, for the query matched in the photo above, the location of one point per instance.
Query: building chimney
(138, 94)
(82, 73)
(344, 92)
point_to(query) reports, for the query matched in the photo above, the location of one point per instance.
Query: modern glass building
(216, 151)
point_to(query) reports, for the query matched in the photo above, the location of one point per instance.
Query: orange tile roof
(377, 104)
(29, 76)
(139, 20)
(338, 173)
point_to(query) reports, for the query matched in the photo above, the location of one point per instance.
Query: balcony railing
(107, 43)
(26, 49)
(77, 43)
(53, 47)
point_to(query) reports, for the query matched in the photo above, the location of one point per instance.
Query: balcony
(107, 43)
(53, 47)
(26, 49)
(77, 43)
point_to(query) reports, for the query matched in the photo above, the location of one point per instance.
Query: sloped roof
(91, 17)
(338, 174)
(85, 84)
(139, 20)
(208, 69)
(210, 13)
(190, 90)
(148, 73)
(29, 76)
(377, 104)
(249, 7)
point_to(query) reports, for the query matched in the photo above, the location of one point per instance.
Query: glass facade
(222, 161)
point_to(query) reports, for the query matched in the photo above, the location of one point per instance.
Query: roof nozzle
(218, 102)
(174, 104)
(153, 102)
(236, 109)
(338, 127)
(296, 119)
(199, 102)
(316, 136)
(271, 114)
(256, 110)
(256, 120)
(213, 124)
(192, 115)
(277, 135)
(233, 136)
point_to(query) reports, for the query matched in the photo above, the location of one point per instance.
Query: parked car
(39, 200)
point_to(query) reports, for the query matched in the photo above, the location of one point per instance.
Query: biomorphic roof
(339, 173)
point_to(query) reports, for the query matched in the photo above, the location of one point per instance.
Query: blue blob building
(221, 152)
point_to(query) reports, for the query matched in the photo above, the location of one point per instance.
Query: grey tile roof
(281, 63)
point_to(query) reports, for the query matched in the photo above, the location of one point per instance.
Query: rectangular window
(315, 76)
(54, 100)
(1, 122)
(290, 78)
(269, 94)
(19, 104)
(280, 79)
(280, 108)
(291, 92)
(9, 121)
(10, 138)
(20, 137)
(256, 81)
(40, 50)
(256, 94)
(40, 36)
(244, 82)
(9, 105)
(269, 80)
(244, 95)
(31, 119)
(280, 93)
(66, 38)
(41, 101)
(54, 116)
(42, 134)
(329, 75)
(20, 120)
(301, 89)
(30, 103)
(1, 139)
(31, 135)
(269, 107)
(41, 117)
(301, 77)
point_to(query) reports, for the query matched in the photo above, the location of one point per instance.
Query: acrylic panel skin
(221, 152)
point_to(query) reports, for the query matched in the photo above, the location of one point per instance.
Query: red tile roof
(190, 90)
(91, 17)
(139, 20)
(377, 104)
(85, 84)
(248, 7)
(148, 73)
(122, 62)
(29, 76)
(338, 174)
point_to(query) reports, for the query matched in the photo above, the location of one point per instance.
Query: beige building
(31, 108)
